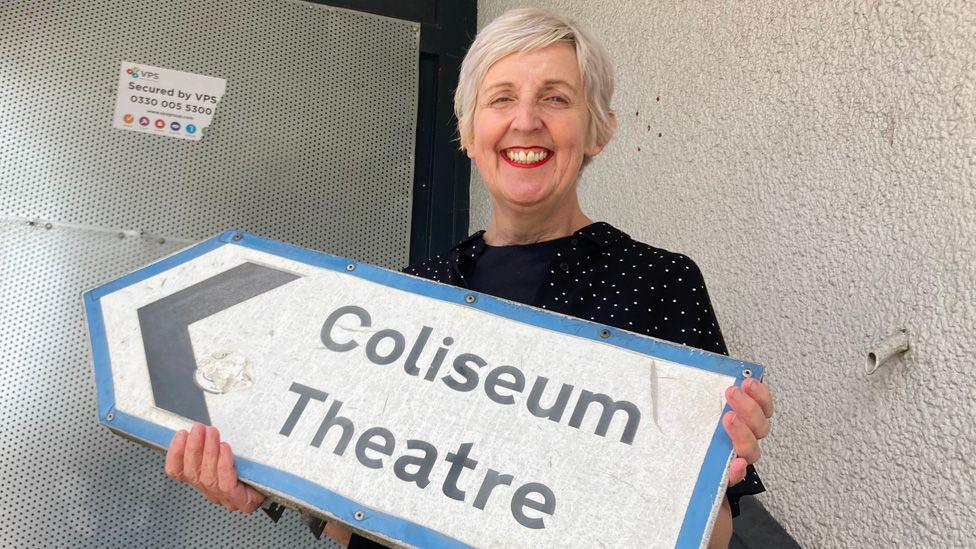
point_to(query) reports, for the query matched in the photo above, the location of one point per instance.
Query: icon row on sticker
(159, 123)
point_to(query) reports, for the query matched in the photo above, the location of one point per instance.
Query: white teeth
(523, 157)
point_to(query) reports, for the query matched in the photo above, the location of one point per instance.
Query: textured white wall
(817, 160)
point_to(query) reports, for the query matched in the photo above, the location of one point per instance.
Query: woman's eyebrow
(547, 84)
(555, 83)
(499, 85)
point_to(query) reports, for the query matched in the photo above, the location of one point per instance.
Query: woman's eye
(500, 100)
(557, 99)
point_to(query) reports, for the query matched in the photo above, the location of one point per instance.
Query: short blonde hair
(529, 29)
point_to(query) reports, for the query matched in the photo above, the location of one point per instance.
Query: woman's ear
(466, 146)
(595, 148)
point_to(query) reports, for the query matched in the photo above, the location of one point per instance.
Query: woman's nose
(527, 117)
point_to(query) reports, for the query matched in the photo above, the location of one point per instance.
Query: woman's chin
(524, 194)
(524, 200)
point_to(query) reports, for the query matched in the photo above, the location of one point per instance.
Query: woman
(533, 108)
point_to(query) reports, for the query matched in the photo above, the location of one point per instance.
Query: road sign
(420, 414)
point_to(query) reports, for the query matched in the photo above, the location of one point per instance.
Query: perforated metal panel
(313, 142)
(65, 480)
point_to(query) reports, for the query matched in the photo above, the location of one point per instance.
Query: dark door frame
(442, 172)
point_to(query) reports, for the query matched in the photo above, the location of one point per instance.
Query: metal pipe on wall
(895, 344)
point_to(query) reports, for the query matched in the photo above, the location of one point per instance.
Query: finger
(226, 474)
(208, 463)
(748, 409)
(760, 393)
(241, 496)
(193, 454)
(743, 441)
(253, 499)
(737, 471)
(174, 455)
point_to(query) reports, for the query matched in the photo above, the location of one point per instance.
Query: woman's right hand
(199, 458)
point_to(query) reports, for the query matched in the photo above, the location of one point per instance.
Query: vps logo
(136, 72)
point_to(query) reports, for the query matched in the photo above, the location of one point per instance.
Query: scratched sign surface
(421, 414)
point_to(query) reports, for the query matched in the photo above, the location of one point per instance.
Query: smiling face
(530, 129)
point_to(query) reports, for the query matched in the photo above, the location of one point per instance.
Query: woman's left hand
(747, 424)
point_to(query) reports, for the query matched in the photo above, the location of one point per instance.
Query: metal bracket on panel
(316, 525)
(274, 510)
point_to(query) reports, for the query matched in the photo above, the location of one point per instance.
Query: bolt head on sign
(418, 414)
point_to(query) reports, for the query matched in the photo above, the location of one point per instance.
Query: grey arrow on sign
(166, 335)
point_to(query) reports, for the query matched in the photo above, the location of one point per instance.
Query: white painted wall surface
(817, 160)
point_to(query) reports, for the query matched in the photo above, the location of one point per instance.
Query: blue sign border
(703, 495)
